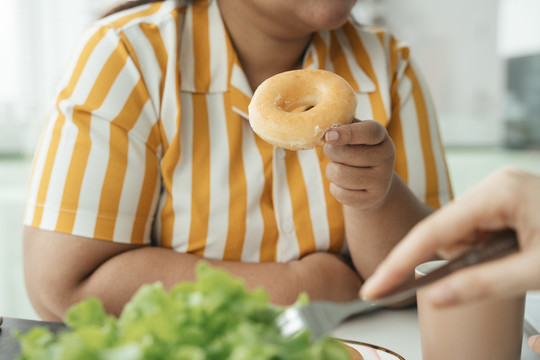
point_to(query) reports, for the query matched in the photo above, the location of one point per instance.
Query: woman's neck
(262, 53)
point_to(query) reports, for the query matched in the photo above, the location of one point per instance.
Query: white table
(395, 330)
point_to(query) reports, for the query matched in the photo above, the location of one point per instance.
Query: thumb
(534, 343)
(365, 132)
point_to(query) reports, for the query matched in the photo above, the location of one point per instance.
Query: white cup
(484, 330)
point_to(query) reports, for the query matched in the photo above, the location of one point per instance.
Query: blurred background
(481, 59)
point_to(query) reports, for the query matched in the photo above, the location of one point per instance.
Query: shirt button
(281, 153)
(288, 226)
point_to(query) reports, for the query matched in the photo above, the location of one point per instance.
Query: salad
(213, 318)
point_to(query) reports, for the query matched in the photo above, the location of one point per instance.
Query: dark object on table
(9, 345)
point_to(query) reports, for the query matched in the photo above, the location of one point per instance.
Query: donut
(294, 109)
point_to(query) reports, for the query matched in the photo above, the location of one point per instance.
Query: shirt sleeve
(96, 168)
(420, 158)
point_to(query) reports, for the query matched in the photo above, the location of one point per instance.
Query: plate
(364, 351)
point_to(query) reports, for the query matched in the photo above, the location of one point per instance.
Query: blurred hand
(534, 343)
(509, 198)
(361, 163)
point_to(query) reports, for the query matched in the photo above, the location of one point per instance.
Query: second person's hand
(508, 198)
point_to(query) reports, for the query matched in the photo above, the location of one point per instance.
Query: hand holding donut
(361, 163)
(361, 153)
(294, 109)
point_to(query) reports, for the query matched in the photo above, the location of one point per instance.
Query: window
(36, 38)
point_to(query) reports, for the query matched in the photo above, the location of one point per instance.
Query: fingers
(361, 163)
(416, 248)
(360, 187)
(362, 155)
(456, 249)
(359, 199)
(366, 132)
(449, 228)
(506, 277)
(352, 178)
(534, 343)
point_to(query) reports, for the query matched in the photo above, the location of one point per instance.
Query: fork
(321, 317)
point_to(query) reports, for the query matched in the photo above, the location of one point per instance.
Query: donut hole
(296, 106)
(303, 108)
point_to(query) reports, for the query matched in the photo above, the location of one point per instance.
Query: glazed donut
(294, 109)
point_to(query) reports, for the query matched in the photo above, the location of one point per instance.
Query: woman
(148, 151)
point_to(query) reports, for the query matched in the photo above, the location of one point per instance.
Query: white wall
(13, 298)
(455, 43)
(462, 47)
(519, 27)
(37, 38)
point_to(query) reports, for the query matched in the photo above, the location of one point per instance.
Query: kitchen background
(481, 59)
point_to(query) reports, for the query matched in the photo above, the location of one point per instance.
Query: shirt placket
(287, 246)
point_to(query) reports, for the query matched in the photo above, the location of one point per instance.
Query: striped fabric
(149, 144)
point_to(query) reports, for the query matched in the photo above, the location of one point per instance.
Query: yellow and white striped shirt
(149, 144)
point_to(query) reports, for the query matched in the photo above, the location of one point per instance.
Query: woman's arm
(388, 172)
(379, 208)
(374, 232)
(62, 269)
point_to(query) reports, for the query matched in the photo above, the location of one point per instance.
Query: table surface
(395, 330)
(9, 345)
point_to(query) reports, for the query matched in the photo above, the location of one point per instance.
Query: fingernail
(332, 135)
(365, 290)
(442, 296)
(369, 287)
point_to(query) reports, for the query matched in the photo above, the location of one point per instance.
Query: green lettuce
(214, 318)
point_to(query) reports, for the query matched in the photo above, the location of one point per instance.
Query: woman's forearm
(62, 269)
(371, 234)
(116, 280)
